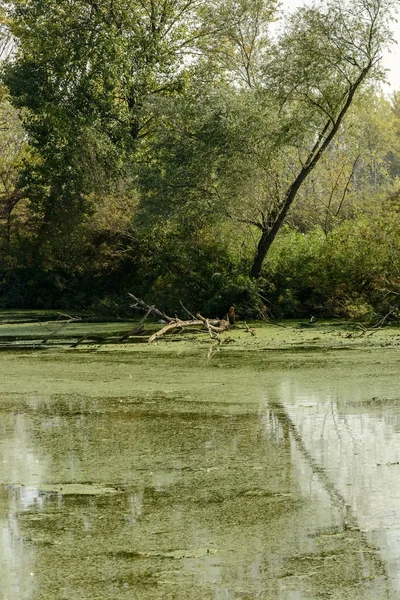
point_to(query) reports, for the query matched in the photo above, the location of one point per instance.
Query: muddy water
(164, 474)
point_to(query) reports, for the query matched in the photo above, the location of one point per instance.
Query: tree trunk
(269, 233)
(324, 139)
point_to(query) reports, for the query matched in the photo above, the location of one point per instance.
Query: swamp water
(166, 473)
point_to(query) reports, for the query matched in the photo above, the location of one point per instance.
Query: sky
(391, 59)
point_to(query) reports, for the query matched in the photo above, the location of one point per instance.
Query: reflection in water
(197, 499)
(352, 449)
(18, 459)
(16, 561)
(322, 479)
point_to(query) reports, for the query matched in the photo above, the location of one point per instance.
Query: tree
(356, 173)
(320, 63)
(85, 73)
(89, 75)
(240, 39)
(246, 153)
(12, 147)
(190, 104)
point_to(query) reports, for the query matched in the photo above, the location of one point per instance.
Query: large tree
(224, 123)
(85, 73)
(325, 56)
(88, 75)
(245, 152)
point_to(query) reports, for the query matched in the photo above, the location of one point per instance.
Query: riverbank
(49, 329)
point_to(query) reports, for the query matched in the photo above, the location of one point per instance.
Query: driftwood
(249, 329)
(139, 327)
(174, 324)
(213, 326)
(152, 309)
(62, 326)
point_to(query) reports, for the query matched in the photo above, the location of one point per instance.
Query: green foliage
(358, 170)
(85, 72)
(198, 271)
(354, 272)
(239, 39)
(162, 137)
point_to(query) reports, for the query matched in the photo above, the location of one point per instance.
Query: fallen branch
(249, 329)
(81, 340)
(139, 326)
(213, 326)
(186, 310)
(64, 324)
(171, 326)
(378, 325)
(383, 320)
(152, 309)
(212, 334)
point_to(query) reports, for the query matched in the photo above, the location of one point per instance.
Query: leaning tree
(326, 55)
(243, 152)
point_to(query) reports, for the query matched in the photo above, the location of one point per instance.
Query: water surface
(166, 474)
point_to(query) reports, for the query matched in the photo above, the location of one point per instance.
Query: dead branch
(171, 326)
(64, 324)
(139, 326)
(186, 310)
(249, 329)
(213, 326)
(216, 325)
(81, 340)
(383, 320)
(152, 309)
(213, 335)
(378, 325)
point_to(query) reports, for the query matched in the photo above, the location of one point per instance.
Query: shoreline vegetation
(199, 154)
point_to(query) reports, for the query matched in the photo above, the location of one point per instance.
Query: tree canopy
(211, 122)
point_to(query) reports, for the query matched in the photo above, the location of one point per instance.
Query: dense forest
(209, 152)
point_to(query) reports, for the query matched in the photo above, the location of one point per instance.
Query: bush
(354, 272)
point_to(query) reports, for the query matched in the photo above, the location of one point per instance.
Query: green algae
(156, 471)
(77, 489)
